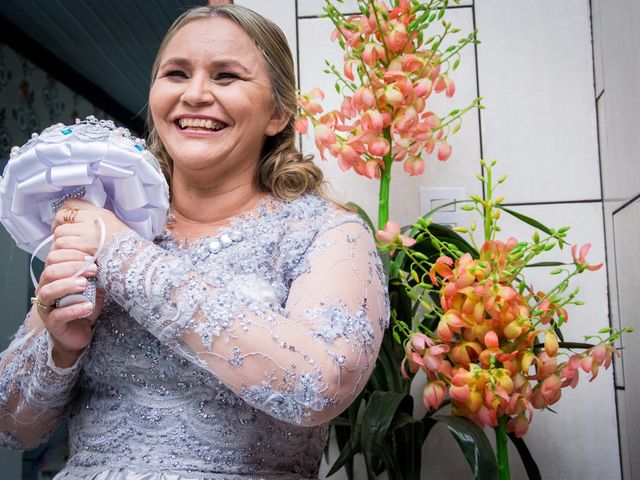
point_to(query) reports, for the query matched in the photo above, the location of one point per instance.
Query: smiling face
(212, 104)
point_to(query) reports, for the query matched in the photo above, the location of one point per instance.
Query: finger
(100, 294)
(58, 271)
(49, 293)
(57, 317)
(84, 244)
(70, 216)
(65, 255)
(78, 228)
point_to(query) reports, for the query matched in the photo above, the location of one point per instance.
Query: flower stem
(488, 233)
(502, 454)
(385, 182)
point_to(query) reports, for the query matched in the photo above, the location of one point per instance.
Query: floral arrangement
(390, 72)
(492, 343)
(489, 344)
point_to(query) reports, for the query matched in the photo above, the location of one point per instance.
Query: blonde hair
(283, 170)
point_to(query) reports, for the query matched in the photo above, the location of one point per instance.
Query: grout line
(553, 202)
(626, 204)
(477, 68)
(308, 17)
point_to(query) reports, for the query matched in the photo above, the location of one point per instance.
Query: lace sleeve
(303, 362)
(34, 392)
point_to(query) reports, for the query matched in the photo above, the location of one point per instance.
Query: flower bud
(550, 343)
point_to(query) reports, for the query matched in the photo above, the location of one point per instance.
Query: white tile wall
(628, 265)
(621, 69)
(589, 411)
(314, 7)
(536, 77)
(458, 171)
(610, 205)
(282, 13)
(624, 434)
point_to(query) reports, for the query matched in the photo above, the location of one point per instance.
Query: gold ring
(36, 301)
(69, 215)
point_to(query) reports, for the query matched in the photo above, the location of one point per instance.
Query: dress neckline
(263, 209)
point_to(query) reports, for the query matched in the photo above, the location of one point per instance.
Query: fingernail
(86, 307)
(80, 282)
(92, 268)
(88, 258)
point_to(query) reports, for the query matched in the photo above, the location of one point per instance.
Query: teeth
(200, 123)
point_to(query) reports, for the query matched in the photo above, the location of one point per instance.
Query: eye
(226, 77)
(175, 73)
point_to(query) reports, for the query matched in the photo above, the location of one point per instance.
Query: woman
(225, 346)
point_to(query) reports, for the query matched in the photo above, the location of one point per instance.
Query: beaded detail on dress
(226, 365)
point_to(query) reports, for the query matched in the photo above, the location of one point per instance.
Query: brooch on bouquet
(93, 160)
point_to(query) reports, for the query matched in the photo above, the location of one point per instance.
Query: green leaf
(343, 437)
(527, 220)
(444, 234)
(546, 264)
(351, 448)
(376, 420)
(390, 462)
(386, 374)
(474, 444)
(362, 213)
(527, 459)
(408, 442)
(571, 345)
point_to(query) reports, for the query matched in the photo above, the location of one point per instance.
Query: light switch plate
(451, 215)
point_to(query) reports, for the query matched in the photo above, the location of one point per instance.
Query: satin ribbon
(112, 165)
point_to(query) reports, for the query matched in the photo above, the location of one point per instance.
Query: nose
(198, 91)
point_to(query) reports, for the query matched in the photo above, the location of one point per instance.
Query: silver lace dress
(221, 358)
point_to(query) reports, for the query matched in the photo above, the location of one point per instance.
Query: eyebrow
(218, 64)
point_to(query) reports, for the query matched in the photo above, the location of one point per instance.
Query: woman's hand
(83, 233)
(76, 235)
(70, 327)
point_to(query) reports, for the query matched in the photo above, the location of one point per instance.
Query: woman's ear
(278, 122)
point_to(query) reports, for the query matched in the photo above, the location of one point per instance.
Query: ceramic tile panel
(628, 264)
(625, 432)
(283, 14)
(621, 69)
(610, 206)
(536, 78)
(585, 222)
(552, 437)
(308, 8)
(459, 171)
(314, 7)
